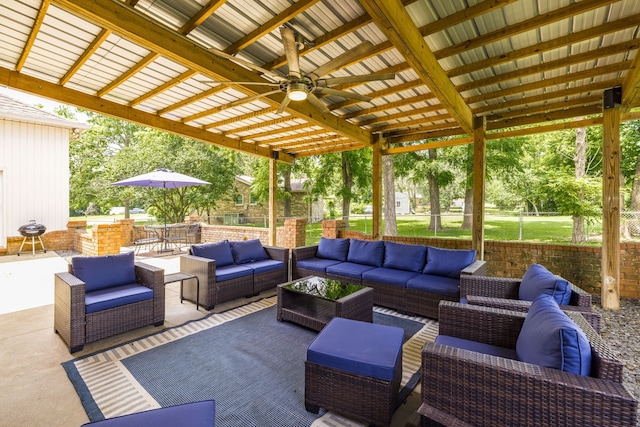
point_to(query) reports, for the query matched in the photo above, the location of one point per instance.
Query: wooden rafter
(86, 55)
(549, 106)
(191, 100)
(240, 118)
(37, 23)
(164, 87)
(257, 126)
(202, 15)
(631, 87)
(130, 72)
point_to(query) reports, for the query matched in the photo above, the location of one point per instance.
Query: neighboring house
(244, 208)
(34, 167)
(402, 204)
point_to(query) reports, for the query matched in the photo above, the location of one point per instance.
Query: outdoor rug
(248, 362)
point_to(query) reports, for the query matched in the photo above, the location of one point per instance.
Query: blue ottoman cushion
(196, 414)
(361, 348)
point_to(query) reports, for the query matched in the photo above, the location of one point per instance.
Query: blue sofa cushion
(336, 249)
(389, 276)
(316, 264)
(349, 269)
(362, 348)
(248, 251)
(367, 253)
(105, 271)
(478, 347)
(537, 280)
(230, 272)
(116, 296)
(265, 265)
(404, 257)
(448, 262)
(435, 284)
(194, 414)
(219, 251)
(550, 338)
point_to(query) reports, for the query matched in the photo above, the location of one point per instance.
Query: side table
(181, 277)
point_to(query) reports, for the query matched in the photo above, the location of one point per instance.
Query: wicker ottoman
(354, 368)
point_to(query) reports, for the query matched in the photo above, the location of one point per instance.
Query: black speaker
(613, 97)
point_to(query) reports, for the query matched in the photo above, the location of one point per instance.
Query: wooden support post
(377, 190)
(273, 200)
(479, 168)
(611, 208)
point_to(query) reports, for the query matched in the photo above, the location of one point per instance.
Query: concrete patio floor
(34, 388)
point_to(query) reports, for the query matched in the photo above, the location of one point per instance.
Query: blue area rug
(248, 362)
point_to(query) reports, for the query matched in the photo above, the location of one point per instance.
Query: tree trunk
(635, 190)
(390, 226)
(580, 161)
(347, 183)
(286, 172)
(467, 219)
(435, 222)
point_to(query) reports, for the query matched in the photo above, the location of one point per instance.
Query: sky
(33, 100)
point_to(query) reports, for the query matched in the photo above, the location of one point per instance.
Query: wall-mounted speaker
(613, 97)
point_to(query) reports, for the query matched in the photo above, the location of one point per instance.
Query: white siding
(34, 175)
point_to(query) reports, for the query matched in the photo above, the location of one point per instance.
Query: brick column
(126, 236)
(295, 232)
(107, 238)
(75, 230)
(331, 228)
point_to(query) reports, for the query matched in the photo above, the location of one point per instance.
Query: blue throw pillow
(333, 249)
(448, 262)
(538, 280)
(219, 251)
(550, 338)
(404, 257)
(366, 253)
(105, 271)
(248, 251)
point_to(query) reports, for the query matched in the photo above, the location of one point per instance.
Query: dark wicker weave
(77, 328)
(213, 292)
(355, 396)
(302, 252)
(502, 292)
(461, 387)
(314, 312)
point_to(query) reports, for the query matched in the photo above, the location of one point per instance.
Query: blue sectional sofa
(408, 278)
(230, 270)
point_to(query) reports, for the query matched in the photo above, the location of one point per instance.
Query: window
(253, 199)
(239, 200)
(398, 204)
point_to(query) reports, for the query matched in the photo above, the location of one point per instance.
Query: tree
(390, 226)
(580, 161)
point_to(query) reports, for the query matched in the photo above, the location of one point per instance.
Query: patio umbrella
(163, 178)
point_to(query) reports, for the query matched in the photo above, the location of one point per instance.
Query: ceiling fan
(299, 85)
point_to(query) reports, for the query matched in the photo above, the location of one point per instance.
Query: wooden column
(273, 200)
(376, 231)
(479, 168)
(611, 208)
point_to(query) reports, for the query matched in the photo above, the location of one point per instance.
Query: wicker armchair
(77, 327)
(462, 387)
(502, 292)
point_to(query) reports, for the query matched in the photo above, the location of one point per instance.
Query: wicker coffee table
(313, 301)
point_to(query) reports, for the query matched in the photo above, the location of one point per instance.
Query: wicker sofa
(408, 278)
(106, 295)
(463, 386)
(517, 294)
(230, 270)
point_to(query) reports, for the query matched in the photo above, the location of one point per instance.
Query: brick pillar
(295, 232)
(75, 230)
(126, 236)
(331, 228)
(192, 218)
(107, 238)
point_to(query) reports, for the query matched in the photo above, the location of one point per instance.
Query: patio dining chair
(145, 237)
(176, 235)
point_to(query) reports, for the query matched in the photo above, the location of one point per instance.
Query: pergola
(466, 71)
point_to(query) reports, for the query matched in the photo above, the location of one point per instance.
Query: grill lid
(32, 229)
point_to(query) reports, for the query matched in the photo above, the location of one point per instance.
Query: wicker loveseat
(408, 278)
(517, 294)
(482, 386)
(107, 295)
(230, 270)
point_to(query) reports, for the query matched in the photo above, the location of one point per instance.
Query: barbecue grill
(32, 230)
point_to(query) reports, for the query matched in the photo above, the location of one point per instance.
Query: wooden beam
(79, 99)
(611, 208)
(429, 145)
(376, 184)
(130, 72)
(394, 21)
(273, 201)
(631, 86)
(95, 44)
(202, 15)
(163, 87)
(37, 23)
(120, 19)
(190, 100)
(479, 172)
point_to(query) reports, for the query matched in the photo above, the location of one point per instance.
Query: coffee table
(313, 301)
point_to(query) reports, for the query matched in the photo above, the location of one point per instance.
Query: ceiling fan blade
(224, 82)
(354, 79)
(342, 93)
(313, 100)
(251, 98)
(283, 105)
(291, 51)
(341, 61)
(247, 64)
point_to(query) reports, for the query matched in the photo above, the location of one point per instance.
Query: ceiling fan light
(297, 95)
